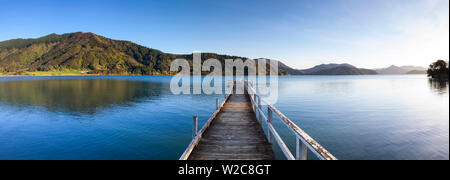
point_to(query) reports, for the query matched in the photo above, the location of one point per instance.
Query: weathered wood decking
(234, 134)
(234, 131)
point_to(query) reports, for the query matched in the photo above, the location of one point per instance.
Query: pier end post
(217, 103)
(195, 127)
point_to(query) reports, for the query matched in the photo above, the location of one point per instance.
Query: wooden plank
(227, 156)
(231, 142)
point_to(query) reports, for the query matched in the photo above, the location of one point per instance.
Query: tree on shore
(439, 70)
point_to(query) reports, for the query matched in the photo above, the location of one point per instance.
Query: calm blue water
(114, 117)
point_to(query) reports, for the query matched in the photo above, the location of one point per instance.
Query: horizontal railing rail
(304, 142)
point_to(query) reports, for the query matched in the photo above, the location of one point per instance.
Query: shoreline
(87, 75)
(68, 75)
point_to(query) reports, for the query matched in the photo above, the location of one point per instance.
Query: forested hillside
(88, 53)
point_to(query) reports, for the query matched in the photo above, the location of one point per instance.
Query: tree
(439, 70)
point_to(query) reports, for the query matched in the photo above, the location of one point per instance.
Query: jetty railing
(304, 142)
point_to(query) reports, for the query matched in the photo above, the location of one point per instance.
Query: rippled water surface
(118, 117)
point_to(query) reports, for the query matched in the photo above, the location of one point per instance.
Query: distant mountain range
(93, 54)
(337, 69)
(402, 70)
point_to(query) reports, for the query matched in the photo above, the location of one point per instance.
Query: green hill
(88, 53)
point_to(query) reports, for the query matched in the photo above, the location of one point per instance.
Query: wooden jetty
(234, 131)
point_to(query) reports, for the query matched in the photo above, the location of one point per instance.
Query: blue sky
(301, 33)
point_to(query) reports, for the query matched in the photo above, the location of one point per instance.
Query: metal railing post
(302, 150)
(269, 113)
(195, 127)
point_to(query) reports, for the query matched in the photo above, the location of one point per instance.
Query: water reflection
(80, 95)
(439, 86)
